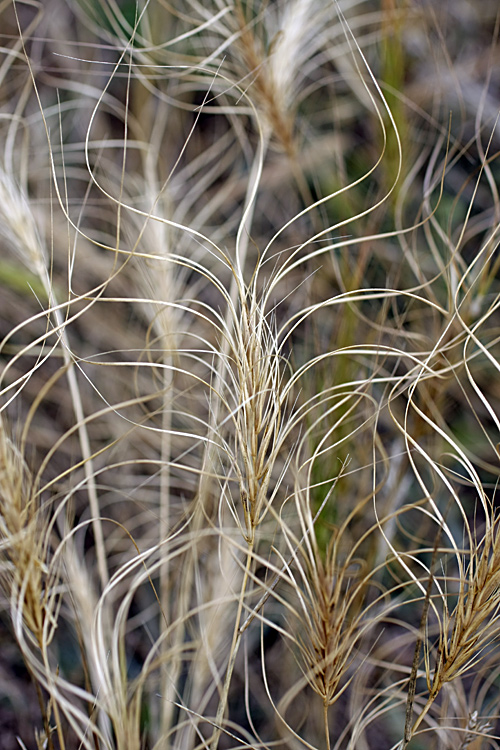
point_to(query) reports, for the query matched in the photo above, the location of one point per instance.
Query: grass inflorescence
(249, 357)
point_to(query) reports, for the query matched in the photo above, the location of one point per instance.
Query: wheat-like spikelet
(472, 626)
(24, 566)
(257, 375)
(28, 579)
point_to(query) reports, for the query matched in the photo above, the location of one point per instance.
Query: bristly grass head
(249, 356)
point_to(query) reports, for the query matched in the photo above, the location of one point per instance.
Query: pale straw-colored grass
(249, 359)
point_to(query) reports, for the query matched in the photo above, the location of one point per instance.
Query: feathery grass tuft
(249, 358)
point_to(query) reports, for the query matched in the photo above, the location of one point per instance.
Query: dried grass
(249, 357)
